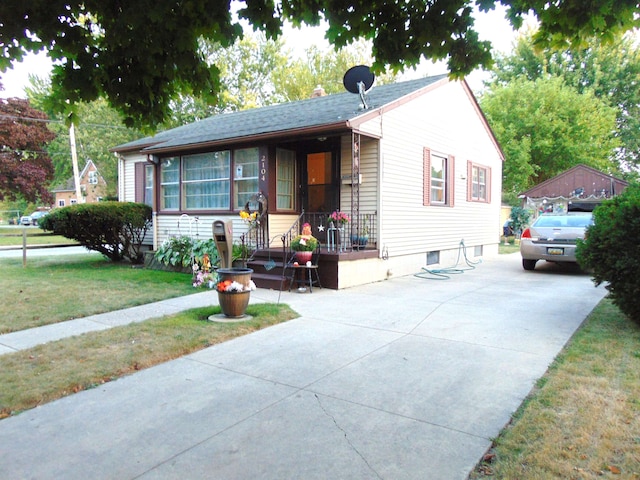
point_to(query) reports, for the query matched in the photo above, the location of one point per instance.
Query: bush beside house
(115, 229)
(612, 252)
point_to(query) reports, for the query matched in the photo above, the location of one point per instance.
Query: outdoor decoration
(234, 289)
(360, 241)
(202, 276)
(304, 244)
(250, 218)
(339, 218)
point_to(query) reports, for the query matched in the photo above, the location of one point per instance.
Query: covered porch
(338, 244)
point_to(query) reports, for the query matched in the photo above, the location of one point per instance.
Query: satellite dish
(355, 76)
(359, 79)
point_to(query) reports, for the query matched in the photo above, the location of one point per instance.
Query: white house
(417, 169)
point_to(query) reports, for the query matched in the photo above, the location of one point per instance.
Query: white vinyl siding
(127, 175)
(445, 121)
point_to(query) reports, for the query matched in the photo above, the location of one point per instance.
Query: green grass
(583, 419)
(512, 247)
(44, 373)
(35, 236)
(54, 289)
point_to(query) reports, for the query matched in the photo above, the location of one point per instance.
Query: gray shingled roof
(313, 112)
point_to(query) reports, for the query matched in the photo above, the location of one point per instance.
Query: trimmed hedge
(115, 229)
(611, 250)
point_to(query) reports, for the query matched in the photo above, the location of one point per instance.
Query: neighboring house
(580, 188)
(92, 186)
(418, 167)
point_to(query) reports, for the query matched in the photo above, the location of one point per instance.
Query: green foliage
(299, 77)
(182, 250)
(98, 128)
(115, 229)
(610, 70)
(519, 219)
(304, 243)
(612, 252)
(546, 127)
(142, 55)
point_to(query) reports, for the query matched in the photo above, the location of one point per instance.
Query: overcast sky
(492, 26)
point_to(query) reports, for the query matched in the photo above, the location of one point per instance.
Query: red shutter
(488, 184)
(451, 180)
(426, 189)
(139, 182)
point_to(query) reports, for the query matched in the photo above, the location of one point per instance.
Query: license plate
(555, 251)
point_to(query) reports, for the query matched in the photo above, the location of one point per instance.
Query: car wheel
(528, 264)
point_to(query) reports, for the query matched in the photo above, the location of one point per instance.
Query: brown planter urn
(234, 304)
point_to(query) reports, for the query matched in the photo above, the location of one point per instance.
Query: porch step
(267, 269)
(270, 281)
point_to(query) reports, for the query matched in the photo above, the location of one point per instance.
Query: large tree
(98, 127)
(299, 77)
(610, 70)
(546, 127)
(246, 71)
(25, 166)
(141, 54)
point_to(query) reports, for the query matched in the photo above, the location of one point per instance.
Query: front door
(320, 194)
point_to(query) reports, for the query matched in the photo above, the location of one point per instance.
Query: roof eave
(367, 115)
(306, 131)
(134, 148)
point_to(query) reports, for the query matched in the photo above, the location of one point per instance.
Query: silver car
(552, 237)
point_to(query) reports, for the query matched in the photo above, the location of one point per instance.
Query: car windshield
(574, 221)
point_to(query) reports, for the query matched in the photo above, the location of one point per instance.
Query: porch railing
(360, 233)
(255, 238)
(290, 234)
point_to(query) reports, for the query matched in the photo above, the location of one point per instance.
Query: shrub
(179, 251)
(519, 219)
(115, 229)
(612, 252)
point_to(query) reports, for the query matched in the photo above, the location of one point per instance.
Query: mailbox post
(223, 236)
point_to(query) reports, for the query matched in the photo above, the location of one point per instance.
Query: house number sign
(263, 168)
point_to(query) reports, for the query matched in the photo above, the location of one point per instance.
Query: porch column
(355, 183)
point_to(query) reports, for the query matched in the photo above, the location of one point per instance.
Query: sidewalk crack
(346, 437)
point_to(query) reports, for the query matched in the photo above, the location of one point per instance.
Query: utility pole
(74, 160)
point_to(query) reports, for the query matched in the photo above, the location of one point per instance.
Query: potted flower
(360, 240)
(338, 218)
(305, 244)
(234, 288)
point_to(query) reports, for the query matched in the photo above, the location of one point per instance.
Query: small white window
(93, 178)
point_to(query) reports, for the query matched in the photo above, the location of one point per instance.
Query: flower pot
(304, 257)
(236, 274)
(234, 304)
(359, 242)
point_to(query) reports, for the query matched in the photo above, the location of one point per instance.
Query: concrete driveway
(404, 379)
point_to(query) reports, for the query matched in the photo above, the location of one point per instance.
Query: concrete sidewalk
(404, 379)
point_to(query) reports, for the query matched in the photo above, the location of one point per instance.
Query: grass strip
(59, 288)
(47, 372)
(35, 236)
(582, 421)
